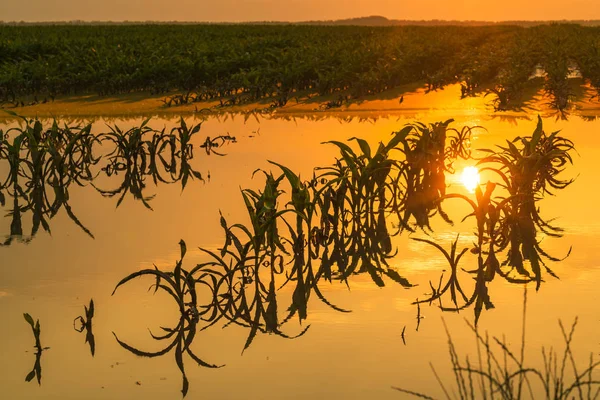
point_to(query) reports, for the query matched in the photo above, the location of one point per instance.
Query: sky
(294, 10)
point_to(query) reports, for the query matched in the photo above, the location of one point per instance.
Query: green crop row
(239, 64)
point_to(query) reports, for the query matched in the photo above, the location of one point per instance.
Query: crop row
(239, 64)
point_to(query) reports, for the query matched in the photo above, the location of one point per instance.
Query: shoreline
(415, 101)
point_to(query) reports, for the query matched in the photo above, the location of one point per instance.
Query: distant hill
(373, 20)
(377, 20)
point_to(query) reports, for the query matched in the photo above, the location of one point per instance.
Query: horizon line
(363, 18)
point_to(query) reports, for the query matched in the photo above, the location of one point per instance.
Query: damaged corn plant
(43, 161)
(340, 223)
(509, 226)
(302, 234)
(36, 371)
(181, 286)
(142, 153)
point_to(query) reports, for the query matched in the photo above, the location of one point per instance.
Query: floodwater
(355, 355)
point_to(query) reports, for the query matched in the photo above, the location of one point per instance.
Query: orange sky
(294, 10)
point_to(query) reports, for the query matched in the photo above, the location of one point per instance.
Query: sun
(470, 178)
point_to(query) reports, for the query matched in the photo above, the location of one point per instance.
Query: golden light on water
(470, 178)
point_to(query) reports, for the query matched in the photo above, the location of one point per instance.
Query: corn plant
(36, 372)
(85, 324)
(181, 286)
(507, 224)
(527, 174)
(143, 153)
(232, 65)
(43, 163)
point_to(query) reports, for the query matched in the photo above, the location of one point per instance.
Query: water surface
(342, 355)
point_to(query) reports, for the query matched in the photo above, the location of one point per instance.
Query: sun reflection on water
(470, 178)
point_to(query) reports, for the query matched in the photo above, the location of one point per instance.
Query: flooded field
(287, 324)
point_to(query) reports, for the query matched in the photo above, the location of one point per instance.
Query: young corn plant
(43, 163)
(36, 372)
(527, 173)
(429, 152)
(181, 286)
(507, 224)
(85, 324)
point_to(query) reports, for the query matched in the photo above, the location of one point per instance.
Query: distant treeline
(245, 63)
(374, 20)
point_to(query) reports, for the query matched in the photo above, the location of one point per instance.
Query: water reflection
(528, 168)
(144, 153)
(36, 371)
(470, 178)
(336, 226)
(43, 163)
(181, 285)
(85, 324)
(179, 339)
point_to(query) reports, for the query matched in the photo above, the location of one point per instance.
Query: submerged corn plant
(143, 153)
(429, 152)
(302, 234)
(44, 162)
(85, 324)
(36, 372)
(242, 276)
(181, 286)
(210, 144)
(333, 226)
(528, 173)
(355, 197)
(508, 224)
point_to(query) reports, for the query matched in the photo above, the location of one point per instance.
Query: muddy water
(343, 355)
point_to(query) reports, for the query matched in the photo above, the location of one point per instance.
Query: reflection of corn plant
(428, 157)
(511, 223)
(85, 323)
(43, 163)
(358, 192)
(334, 227)
(528, 173)
(486, 215)
(181, 286)
(131, 157)
(140, 157)
(212, 143)
(181, 338)
(338, 218)
(242, 294)
(36, 372)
